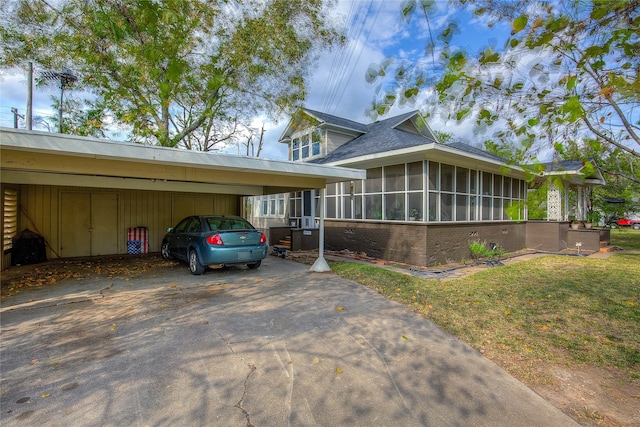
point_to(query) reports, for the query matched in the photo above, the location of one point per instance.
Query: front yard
(566, 326)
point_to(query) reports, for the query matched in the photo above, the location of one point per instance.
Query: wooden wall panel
(136, 208)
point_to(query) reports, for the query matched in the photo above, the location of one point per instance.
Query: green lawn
(564, 310)
(626, 238)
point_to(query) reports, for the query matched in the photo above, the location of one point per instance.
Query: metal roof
(58, 159)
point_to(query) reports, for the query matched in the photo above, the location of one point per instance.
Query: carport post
(320, 265)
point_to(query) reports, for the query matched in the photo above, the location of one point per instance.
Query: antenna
(66, 79)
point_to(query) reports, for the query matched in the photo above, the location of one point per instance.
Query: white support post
(554, 203)
(320, 265)
(580, 211)
(566, 202)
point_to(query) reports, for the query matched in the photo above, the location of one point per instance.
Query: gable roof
(325, 121)
(337, 121)
(388, 135)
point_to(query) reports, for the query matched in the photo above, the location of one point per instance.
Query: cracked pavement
(275, 346)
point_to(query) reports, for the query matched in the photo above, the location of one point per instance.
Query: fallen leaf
(316, 360)
(404, 337)
(45, 395)
(34, 361)
(338, 371)
(339, 308)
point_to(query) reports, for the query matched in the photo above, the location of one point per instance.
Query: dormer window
(306, 145)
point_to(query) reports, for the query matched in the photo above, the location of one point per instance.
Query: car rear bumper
(234, 255)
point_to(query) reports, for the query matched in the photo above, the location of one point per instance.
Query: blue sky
(375, 31)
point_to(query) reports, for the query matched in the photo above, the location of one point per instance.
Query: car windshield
(225, 223)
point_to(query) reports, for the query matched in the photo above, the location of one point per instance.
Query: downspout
(320, 265)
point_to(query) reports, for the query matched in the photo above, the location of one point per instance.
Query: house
(422, 202)
(84, 196)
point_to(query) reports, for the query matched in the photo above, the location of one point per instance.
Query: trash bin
(28, 248)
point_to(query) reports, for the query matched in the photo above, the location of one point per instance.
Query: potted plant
(593, 217)
(575, 224)
(413, 214)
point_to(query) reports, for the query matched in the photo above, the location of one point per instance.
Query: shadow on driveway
(236, 347)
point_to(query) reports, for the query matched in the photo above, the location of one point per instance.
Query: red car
(632, 221)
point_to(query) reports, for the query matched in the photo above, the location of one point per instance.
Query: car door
(192, 234)
(177, 239)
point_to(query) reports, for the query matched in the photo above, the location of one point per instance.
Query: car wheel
(636, 226)
(614, 225)
(254, 265)
(165, 251)
(194, 264)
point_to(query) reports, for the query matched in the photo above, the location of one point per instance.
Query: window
(462, 180)
(416, 176)
(450, 193)
(446, 177)
(394, 178)
(316, 139)
(10, 219)
(295, 149)
(306, 145)
(394, 206)
(273, 205)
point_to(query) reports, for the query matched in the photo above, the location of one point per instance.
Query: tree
(178, 72)
(567, 72)
(79, 119)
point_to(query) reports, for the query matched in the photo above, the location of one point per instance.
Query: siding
(335, 140)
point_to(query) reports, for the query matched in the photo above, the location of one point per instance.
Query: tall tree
(568, 72)
(178, 72)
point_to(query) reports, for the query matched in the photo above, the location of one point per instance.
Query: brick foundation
(420, 244)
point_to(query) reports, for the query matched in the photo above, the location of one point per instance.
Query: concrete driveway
(269, 347)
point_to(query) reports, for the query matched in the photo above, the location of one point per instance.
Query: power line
(337, 83)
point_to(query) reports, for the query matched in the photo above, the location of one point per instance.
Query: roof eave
(431, 151)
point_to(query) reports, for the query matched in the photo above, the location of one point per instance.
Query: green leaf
(533, 122)
(519, 24)
(410, 93)
(573, 109)
(489, 56)
(462, 114)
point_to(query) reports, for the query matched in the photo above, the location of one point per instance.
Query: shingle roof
(337, 121)
(563, 165)
(473, 150)
(382, 136)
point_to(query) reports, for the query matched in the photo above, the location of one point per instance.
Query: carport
(83, 194)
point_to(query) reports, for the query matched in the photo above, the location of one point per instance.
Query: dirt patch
(593, 396)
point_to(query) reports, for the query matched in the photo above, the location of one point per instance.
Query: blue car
(215, 240)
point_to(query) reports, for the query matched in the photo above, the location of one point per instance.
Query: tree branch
(609, 140)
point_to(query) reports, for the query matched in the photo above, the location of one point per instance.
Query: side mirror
(170, 230)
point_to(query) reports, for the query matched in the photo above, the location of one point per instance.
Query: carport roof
(33, 157)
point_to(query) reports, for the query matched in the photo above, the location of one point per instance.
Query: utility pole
(15, 117)
(30, 97)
